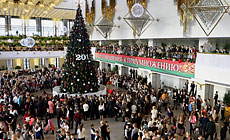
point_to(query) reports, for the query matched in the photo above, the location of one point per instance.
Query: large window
(31, 27)
(17, 26)
(48, 28)
(2, 26)
(60, 28)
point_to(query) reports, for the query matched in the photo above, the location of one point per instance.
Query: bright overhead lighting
(45, 12)
(41, 5)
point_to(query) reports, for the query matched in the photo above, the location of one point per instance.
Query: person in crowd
(134, 134)
(85, 110)
(97, 136)
(78, 118)
(81, 132)
(101, 110)
(216, 97)
(49, 127)
(107, 130)
(192, 120)
(210, 129)
(92, 132)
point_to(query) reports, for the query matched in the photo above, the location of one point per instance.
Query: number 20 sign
(83, 57)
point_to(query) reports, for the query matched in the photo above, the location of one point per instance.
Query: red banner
(149, 63)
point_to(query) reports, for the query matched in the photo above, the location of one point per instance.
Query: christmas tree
(79, 74)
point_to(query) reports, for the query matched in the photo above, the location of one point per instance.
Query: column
(8, 24)
(39, 26)
(119, 70)
(9, 64)
(112, 66)
(101, 65)
(100, 42)
(156, 83)
(150, 42)
(57, 62)
(40, 62)
(124, 70)
(43, 61)
(46, 62)
(120, 42)
(28, 63)
(209, 90)
(24, 63)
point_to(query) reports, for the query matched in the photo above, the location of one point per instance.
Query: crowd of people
(204, 119)
(184, 53)
(147, 113)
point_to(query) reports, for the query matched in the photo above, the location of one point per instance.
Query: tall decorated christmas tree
(79, 74)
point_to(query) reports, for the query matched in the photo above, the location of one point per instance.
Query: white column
(156, 82)
(28, 63)
(43, 61)
(55, 62)
(25, 63)
(100, 65)
(150, 42)
(119, 70)
(40, 62)
(120, 42)
(46, 62)
(100, 42)
(112, 66)
(9, 64)
(58, 62)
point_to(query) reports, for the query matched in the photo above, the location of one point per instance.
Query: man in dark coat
(210, 129)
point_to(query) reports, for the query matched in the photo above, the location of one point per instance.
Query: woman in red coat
(27, 117)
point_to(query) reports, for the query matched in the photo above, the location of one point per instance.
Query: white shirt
(81, 134)
(85, 107)
(15, 99)
(101, 107)
(154, 113)
(66, 127)
(134, 109)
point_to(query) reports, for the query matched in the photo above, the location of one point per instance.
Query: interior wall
(18, 62)
(221, 90)
(2, 64)
(169, 25)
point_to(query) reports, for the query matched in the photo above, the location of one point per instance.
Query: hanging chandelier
(207, 13)
(138, 17)
(26, 6)
(105, 24)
